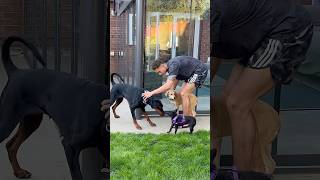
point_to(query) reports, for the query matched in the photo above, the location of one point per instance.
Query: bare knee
(236, 106)
(184, 94)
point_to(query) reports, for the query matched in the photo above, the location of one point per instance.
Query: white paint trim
(157, 34)
(196, 39)
(173, 37)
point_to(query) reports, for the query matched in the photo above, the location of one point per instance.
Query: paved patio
(125, 123)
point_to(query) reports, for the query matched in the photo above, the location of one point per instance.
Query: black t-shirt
(183, 67)
(239, 26)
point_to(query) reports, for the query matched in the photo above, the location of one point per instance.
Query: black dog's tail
(116, 75)
(6, 59)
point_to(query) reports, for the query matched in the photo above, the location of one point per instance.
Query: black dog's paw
(152, 124)
(23, 174)
(137, 126)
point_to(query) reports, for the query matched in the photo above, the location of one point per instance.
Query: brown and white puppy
(176, 99)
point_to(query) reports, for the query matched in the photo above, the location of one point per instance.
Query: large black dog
(72, 103)
(134, 97)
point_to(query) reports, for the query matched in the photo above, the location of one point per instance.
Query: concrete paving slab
(125, 123)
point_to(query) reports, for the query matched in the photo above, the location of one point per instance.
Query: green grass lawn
(164, 156)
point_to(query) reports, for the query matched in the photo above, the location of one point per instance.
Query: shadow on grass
(164, 156)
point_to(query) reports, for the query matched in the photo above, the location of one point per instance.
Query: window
(131, 29)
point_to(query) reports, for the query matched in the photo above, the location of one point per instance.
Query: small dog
(133, 95)
(177, 100)
(178, 120)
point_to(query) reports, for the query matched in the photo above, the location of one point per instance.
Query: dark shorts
(283, 57)
(198, 77)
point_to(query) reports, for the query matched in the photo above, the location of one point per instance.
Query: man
(271, 38)
(192, 71)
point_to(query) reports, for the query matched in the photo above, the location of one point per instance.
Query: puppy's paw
(116, 116)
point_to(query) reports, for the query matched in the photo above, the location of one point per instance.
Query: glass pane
(183, 38)
(176, 29)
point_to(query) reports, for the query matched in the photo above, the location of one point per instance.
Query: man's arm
(175, 83)
(214, 67)
(165, 87)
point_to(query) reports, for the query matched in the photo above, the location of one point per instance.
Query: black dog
(178, 120)
(134, 97)
(72, 103)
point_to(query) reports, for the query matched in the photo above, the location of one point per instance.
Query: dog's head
(170, 94)
(156, 105)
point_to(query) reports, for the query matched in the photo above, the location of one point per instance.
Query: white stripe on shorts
(193, 79)
(265, 53)
(268, 54)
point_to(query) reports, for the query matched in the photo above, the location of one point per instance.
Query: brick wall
(11, 18)
(123, 59)
(24, 18)
(204, 40)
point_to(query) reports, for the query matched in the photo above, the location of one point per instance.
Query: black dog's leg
(147, 117)
(134, 118)
(170, 128)
(26, 128)
(191, 130)
(114, 107)
(8, 121)
(72, 155)
(176, 129)
(192, 127)
(104, 148)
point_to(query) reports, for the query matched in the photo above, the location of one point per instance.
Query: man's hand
(105, 105)
(146, 95)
